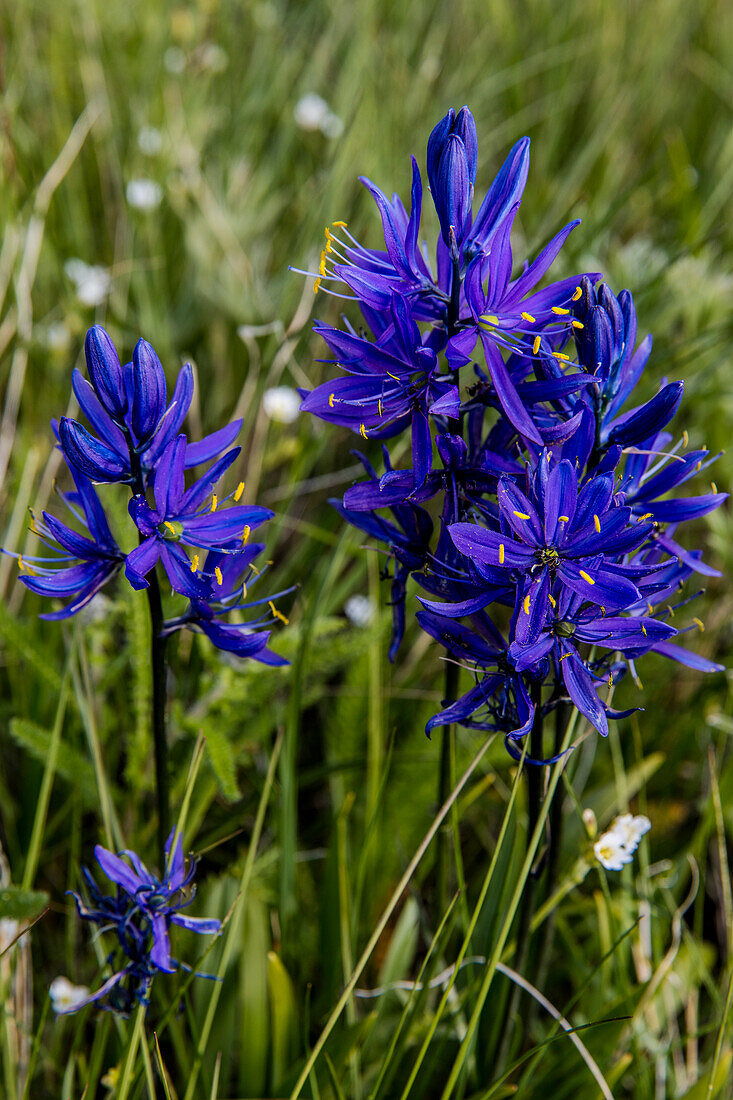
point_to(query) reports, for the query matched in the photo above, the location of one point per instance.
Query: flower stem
(534, 791)
(159, 676)
(446, 782)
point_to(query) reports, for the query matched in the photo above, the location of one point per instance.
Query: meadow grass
(316, 788)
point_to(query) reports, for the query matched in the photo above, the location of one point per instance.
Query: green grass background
(630, 107)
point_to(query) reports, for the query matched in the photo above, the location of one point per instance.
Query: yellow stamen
(322, 264)
(339, 225)
(329, 239)
(536, 344)
(610, 679)
(520, 515)
(685, 437)
(643, 630)
(195, 563)
(649, 608)
(244, 591)
(564, 519)
(597, 524)
(561, 355)
(699, 625)
(170, 526)
(576, 294)
(647, 515)
(316, 286)
(713, 486)
(21, 563)
(553, 601)
(529, 317)
(501, 553)
(586, 577)
(214, 502)
(217, 574)
(238, 492)
(560, 310)
(362, 431)
(245, 533)
(379, 406)
(394, 376)
(526, 604)
(330, 399)
(577, 324)
(603, 611)
(278, 614)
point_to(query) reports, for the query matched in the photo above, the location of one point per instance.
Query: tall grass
(629, 108)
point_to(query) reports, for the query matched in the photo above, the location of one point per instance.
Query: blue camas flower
(179, 519)
(126, 407)
(140, 912)
(82, 564)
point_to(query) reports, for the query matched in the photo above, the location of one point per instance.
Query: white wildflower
(282, 404)
(144, 194)
(313, 113)
(611, 853)
(617, 846)
(65, 996)
(91, 281)
(149, 140)
(359, 610)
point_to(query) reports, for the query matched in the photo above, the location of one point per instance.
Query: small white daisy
(281, 404)
(65, 995)
(92, 282)
(359, 610)
(144, 194)
(611, 853)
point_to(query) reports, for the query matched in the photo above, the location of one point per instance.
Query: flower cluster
(551, 562)
(617, 846)
(136, 440)
(140, 912)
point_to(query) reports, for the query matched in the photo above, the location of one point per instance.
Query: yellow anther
(329, 239)
(278, 614)
(21, 563)
(561, 355)
(394, 376)
(586, 577)
(362, 431)
(536, 344)
(322, 264)
(552, 600)
(316, 286)
(649, 608)
(564, 519)
(169, 525)
(560, 310)
(214, 502)
(501, 553)
(700, 625)
(520, 515)
(671, 610)
(597, 524)
(244, 591)
(577, 324)
(610, 679)
(217, 574)
(713, 486)
(698, 466)
(647, 515)
(526, 604)
(577, 293)
(330, 399)
(245, 534)
(238, 492)
(685, 437)
(603, 611)
(643, 630)
(195, 563)
(339, 225)
(379, 406)
(529, 317)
